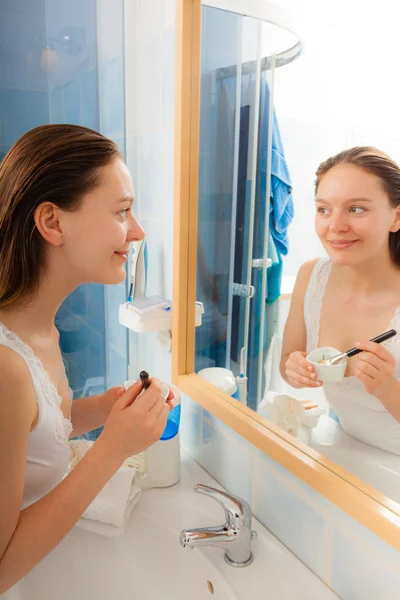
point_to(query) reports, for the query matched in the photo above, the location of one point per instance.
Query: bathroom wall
(85, 87)
(88, 89)
(336, 95)
(23, 85)
(73, 96)
(149, 42)
(110, 36)
(355, 563)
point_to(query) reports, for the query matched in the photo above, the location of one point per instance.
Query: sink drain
(210, 587)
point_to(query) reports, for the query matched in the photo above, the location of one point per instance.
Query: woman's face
(97, 236)
(353, 215)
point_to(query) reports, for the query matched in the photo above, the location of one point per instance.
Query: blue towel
(274, 273)
(281, 206)
(280, 216)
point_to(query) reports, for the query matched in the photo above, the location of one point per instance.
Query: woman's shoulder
(12, 364)
(16, 387)
(306, 270)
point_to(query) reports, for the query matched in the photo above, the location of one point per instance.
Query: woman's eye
(322, 210)
(123, 212)
(356, 209)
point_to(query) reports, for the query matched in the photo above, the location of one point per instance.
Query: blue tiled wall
(112, 99)
(20, 111)
(88, 90)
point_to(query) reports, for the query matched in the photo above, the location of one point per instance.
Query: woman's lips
(341, 244)
(122, 255)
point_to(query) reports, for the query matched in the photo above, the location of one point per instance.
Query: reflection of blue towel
(281, 210)
(274, 274)
(280, 216)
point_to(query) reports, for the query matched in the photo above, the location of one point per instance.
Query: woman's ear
(47, 221)
(396, 223)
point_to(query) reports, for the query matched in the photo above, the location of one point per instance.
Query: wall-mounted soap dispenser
(147, 313)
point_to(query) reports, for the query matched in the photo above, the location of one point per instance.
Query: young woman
(353, 295)
(65, 219)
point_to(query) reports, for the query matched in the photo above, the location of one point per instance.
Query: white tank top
(360, 414)
(48, 449)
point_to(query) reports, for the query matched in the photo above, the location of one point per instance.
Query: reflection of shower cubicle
(239, 57)
(62, 62)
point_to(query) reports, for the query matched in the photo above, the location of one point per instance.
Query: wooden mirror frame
(361, 501)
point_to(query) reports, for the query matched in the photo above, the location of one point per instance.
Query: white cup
(327, 373)
(164, 388)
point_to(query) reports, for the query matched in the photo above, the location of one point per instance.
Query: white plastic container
(222, 378)
(241, 382)
(163, 459)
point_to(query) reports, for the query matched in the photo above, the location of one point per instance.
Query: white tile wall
(353, 561)
(363, 566)
(293, 513)
(227, 460)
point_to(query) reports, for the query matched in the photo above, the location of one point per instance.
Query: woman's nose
(338, 222)
(135, 231)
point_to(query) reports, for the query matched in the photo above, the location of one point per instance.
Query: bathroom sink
(148, 563)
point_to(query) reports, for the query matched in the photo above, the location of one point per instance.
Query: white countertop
(148, 563)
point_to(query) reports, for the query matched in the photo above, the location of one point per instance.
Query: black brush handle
(378, 340)
(144, 376)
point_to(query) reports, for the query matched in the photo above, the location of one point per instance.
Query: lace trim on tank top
(318, 281)
(63, 426)
(393, 345)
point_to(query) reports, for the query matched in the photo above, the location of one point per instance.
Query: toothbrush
(241, 380)
(130, 297)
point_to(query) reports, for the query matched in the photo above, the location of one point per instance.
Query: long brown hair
(51, 163)
(377, 163)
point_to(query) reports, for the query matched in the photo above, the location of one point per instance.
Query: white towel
(109, 512)
(289, 414)
(273, 378)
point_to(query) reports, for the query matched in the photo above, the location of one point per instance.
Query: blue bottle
(174, 418)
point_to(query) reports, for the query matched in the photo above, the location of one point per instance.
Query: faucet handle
(236, 509)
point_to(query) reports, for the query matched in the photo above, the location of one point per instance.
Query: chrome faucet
(234, 536)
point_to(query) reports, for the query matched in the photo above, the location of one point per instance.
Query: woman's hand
(106, 401)
(375, 367)
(136, 421)
(299, 372)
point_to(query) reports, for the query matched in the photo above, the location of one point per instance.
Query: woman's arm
(293, 366)
(89, 413)
(28, 535)
(375, 369)
(42, 525)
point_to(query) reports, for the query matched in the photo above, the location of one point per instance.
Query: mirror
(270, 114)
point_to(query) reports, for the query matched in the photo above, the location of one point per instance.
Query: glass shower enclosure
(237, 242)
